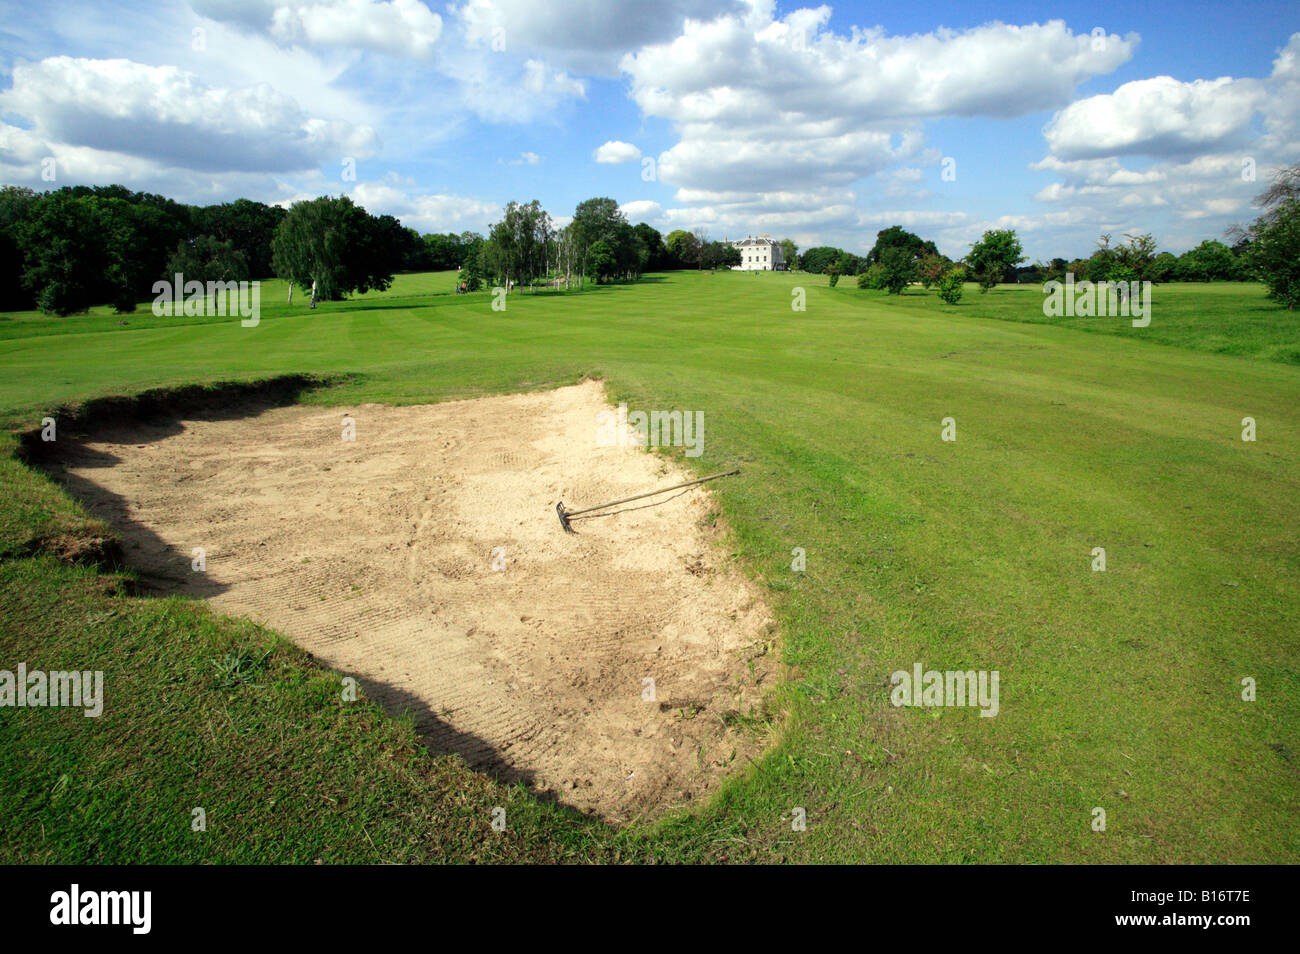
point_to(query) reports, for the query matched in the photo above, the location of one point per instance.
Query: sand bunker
(425, 559)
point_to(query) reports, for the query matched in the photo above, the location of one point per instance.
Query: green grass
(1220, 317)
(274, 291)
(1118, 689)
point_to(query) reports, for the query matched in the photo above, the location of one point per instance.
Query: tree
(1275, 253)
(630, 251)
(715, 255)
(64, 253)
(950, 287)
(658, 257)
(474, 270)
(413, 253)
(790, 254)
(1210, 261)
(1163, 266)
(16, 205)
(601, 263)
(208, 259)
(566, 252)
(1138, 256)
(521, 244)
(336, 244)
(847, 263)
(701, 236)
(817, 260)
(249, 226)
(898, 237)
(1102, 260)
(931, 268)
(898, 265)
(442, 251)
(596, 220)
(684, 247)
(1274, 238)
(449, 250)
(990, 258)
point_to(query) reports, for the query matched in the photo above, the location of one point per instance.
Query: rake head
(564, 518)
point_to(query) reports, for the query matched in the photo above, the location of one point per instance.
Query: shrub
(873, 278)
(470, 278)
(950, 286)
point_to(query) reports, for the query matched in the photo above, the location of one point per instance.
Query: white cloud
(763, 158)
(1160, 116)
(461, 77)
(760, 103)
(588, 36)
(23, 155)
(492, 88)
(641, 210)
(396, 28)
(737, 70)
(166, 115)
(616, 151)
(913, 218)
(1281, 110)
(526, 159)
(1205, 161)
(426, 212)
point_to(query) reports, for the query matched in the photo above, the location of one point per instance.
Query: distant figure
(313, 294)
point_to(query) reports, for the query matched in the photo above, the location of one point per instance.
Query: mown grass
(1119, 689)
(274, 291)
(1219, 317)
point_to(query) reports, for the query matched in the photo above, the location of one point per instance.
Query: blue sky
(823, 124)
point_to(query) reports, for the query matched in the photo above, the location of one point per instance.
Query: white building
(759, 254)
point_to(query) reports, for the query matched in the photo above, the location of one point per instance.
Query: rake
(567, 515)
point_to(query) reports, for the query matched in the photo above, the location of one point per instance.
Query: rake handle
(651, 493)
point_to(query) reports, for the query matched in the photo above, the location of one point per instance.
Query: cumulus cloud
(759, 102)
(428, 212)
(166, 115)
(392, 27)
(1281, 109)
(587, 36)
(737, 69)
(28, 159)
(615, 151)
(738, 213)
(1204, 158)
(441, 77)
(1160, 116)
(641, 210)
(718, 158)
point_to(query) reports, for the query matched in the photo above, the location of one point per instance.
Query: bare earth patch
(377, 556)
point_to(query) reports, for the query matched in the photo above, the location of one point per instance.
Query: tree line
(64, 250)
(1267, 250)
(598, 245)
